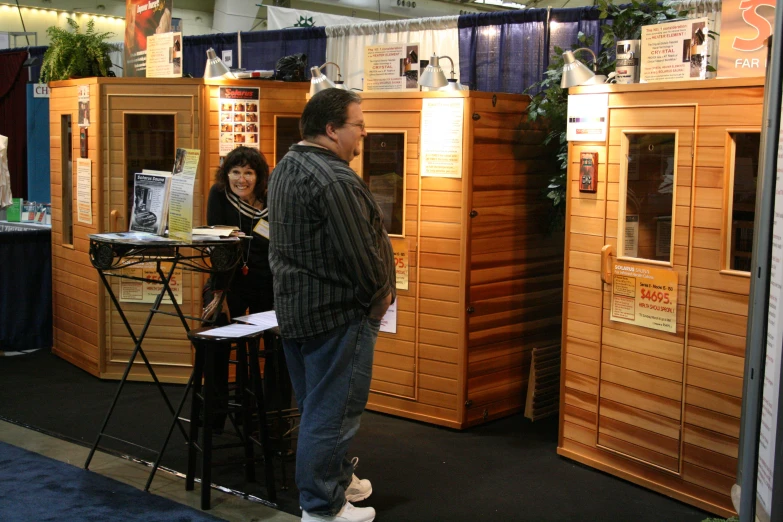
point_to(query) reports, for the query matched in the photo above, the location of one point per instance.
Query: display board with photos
(239, 118)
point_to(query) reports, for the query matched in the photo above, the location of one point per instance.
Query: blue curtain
(262, 49)
(504, 51)
(194, 54)
(566, 24)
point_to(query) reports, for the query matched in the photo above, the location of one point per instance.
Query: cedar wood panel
(698, 385)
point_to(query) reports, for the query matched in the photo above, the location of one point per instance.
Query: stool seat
(205, 405)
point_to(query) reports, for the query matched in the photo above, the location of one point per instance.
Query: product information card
(239, 117)
(645, 296)
(84, 190)
(181, 196)
(164, 55)
(674, 51)
(391, 67)
(441, 137)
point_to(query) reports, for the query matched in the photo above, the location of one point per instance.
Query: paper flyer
(441, 137)
(401, 264)
(181, 196)
(674, 51)
(164, 55)
(239, 118)
(143, 18)
(84, 190)
(389, 321)
(84, 105)
(146, 292)
(391, 67)
(645, 296)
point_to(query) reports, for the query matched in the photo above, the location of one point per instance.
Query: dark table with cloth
(25, 286)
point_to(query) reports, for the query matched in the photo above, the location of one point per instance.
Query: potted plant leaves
(76, 54)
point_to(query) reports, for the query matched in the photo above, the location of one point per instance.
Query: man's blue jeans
(331, 378)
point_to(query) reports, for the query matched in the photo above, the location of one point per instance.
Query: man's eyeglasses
(360, 125)
(237, 175)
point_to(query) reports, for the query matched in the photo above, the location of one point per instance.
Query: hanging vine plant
(76, 54)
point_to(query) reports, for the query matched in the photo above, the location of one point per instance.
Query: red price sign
(655, 296)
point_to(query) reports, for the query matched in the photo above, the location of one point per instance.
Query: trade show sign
(675, 51)
(645, 296)
(745, 25)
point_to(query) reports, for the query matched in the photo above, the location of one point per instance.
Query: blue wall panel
(38, 179)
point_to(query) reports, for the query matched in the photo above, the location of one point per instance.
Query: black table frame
(109, 254)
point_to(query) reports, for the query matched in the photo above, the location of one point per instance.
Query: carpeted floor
(507, 470)
(37, 488)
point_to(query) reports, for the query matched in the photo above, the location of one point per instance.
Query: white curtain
(710, 9)
(345, 43)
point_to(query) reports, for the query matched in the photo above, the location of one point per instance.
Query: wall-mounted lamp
(216, 69)
(434, 77)
(320, 82)
(576, 73)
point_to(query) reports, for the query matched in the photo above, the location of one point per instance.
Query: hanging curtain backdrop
(282, 18)
(13, 117)
(503, 52)
(565, 26)
(262, 49)
(194, 51)
(345, 43)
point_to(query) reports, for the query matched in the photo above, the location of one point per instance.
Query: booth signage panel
(239, 118)
(40, 90)
(587, 117)
(391, 67)
(675, 51)
(645, 296)
(441, 137)
(143, 18)
(744, 26)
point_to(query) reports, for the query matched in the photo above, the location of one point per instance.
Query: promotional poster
(391, 67)
(143, 18)
(239, 118)
(675, 51)
(745, 25)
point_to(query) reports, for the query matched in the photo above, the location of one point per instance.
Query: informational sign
(744, 26)
(227, 55)
(84, 190)
(41, 90)
(587, 117)
(143, 18)
(391, 67)
(239, 118)
(181, 198)
(675, 51)
(645, 296)
(770, 395)
(132, 291)
(83, 97)
(401, 264)
(631, 236)
(164, 55)
(389, 321)
(441, 137)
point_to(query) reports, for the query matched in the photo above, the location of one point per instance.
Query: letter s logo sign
(755, 20)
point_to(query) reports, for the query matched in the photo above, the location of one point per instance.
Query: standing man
(333, 269)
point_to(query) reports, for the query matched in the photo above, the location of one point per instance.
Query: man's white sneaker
(359, 489)
(349, 513)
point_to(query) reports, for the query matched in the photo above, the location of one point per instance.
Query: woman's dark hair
(245, 157)
(325, 107)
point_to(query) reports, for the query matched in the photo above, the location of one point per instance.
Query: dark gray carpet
(507, 470)
(37, 488)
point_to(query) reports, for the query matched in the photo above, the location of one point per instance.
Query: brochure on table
(181, 197)
(675, 51)
(391, 67)
(150, 201)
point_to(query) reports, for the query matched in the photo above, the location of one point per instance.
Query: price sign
(401, 262)
(645, 296)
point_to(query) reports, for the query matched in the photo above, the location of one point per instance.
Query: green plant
(76, 54)
(551, 103)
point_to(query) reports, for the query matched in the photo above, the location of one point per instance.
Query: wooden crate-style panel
(674, 406)
(516, 261)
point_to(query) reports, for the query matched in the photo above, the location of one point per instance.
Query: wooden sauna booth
(656, 287)
(460, 178)
(135, 124)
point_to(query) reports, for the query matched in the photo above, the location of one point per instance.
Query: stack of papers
(256, 323)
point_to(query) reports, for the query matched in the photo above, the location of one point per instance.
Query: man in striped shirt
(334, 278)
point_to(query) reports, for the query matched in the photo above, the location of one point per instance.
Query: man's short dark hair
(325, 107)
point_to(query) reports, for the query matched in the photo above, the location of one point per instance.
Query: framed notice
(239, 118)
(391, 67)
(675, 51)
(645, 296)
(441, 137)
(587, 117)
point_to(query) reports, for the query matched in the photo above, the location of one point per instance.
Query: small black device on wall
(587, 175)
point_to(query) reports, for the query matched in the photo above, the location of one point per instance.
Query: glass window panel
(149, 144)
(286, 134)
(743, 199)
(383, 169)
(66, 164)
(649, 196)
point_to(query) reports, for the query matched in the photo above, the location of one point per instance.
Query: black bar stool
(249, 400)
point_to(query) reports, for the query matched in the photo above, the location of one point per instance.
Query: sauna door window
(149, 145)
(647, 195)
(383, 169)
(743, 156)
(286, 134)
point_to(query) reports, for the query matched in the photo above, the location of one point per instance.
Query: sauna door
(647, 234)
